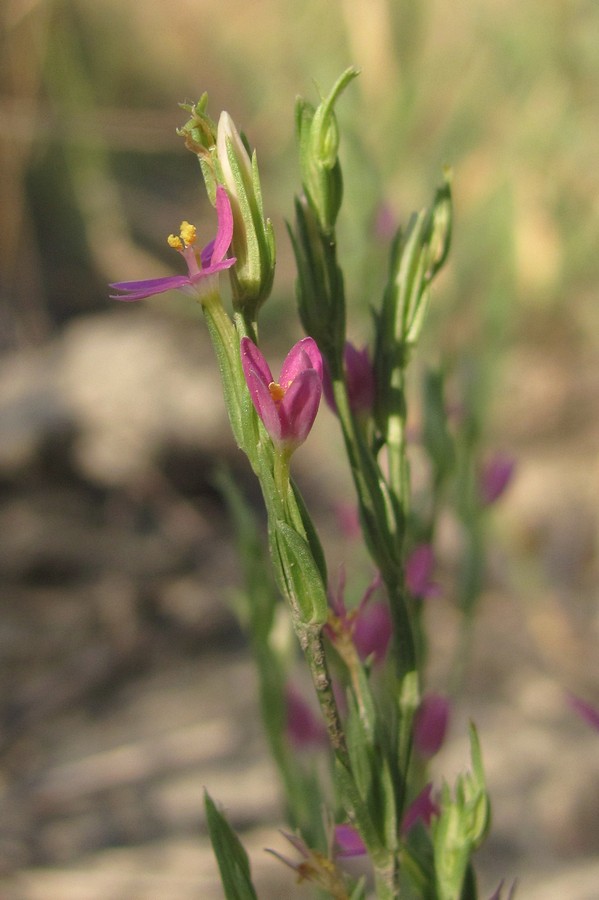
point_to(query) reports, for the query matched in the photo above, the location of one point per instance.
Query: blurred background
(126, 685)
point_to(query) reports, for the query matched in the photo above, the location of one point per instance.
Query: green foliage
(232, 859)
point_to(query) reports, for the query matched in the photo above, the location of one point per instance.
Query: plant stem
(310, 638)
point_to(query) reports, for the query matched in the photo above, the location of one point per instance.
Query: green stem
(383, 533)
(387, 880)
(311, 642)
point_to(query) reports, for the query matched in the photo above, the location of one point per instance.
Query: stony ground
(126, 685)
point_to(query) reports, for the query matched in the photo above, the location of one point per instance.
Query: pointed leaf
(232, 859)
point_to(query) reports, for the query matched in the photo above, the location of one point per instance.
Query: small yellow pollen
(276, 391)
(188, 233)
(175, 242)
(187, 237)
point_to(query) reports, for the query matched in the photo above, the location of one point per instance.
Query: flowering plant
(379, 721)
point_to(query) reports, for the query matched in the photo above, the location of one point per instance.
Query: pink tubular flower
(348, 842)
(419, 570)
(495, 477)
(430, 724)
(303, 727)
(359, 376)
(201, 266)
(372, 631)
(287, 407)
(368, 627)
(423, 807)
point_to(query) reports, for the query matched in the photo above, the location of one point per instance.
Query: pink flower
(423, 807)
(372, 631)
(201, 266)
(368, 627)
(359, 378)
(430, 724)
(495, 477)
(419, 570)
(348, 519)
(287, 407)
(348, 842)
(303, 727)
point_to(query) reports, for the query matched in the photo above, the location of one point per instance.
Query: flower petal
(252, 357)
(430, 724)
(206, 254)
(224, 233)
(303, 355)
(372, 631)
(263, 402)
(137, 290)
(422, 807)
(297, 410)
(348, 842)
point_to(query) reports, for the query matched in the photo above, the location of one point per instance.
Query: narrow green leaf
(302, 574)
(232, 859)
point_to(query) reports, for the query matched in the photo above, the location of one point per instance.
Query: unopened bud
(253, 237)
(318, 137)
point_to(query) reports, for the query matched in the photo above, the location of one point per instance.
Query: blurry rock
(127, 383)
(134, 382)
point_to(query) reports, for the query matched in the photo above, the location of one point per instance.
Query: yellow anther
(276, 391)
(186, 238)
(175, 242)
(188, 233)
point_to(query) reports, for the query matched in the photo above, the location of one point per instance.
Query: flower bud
(430, 724)
(253, 237)
(461, 825)
(318, 137)
(494, 478)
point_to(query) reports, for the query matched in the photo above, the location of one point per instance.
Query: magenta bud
(303, 727)
(495, 477)
(419, 569)
(430, 724)
(422, 808)
(348, 842)
(359, 379)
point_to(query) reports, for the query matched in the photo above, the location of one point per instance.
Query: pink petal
(303, 726)
(419, 569)
(224, 233)
(137, 290)
(495, 477)
(349, 842)
(422, 807)
(372, 631)
(303, 355)
(213, 269)
(360, 378)
(264, 403)
(253, 358)
(206, 254)
(430, 724)
(297, 410)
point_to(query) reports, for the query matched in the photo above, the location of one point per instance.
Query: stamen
(187, 237)
(276, 391)
(175, 242)
(188, 233)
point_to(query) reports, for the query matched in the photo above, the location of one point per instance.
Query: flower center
(276, 391)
